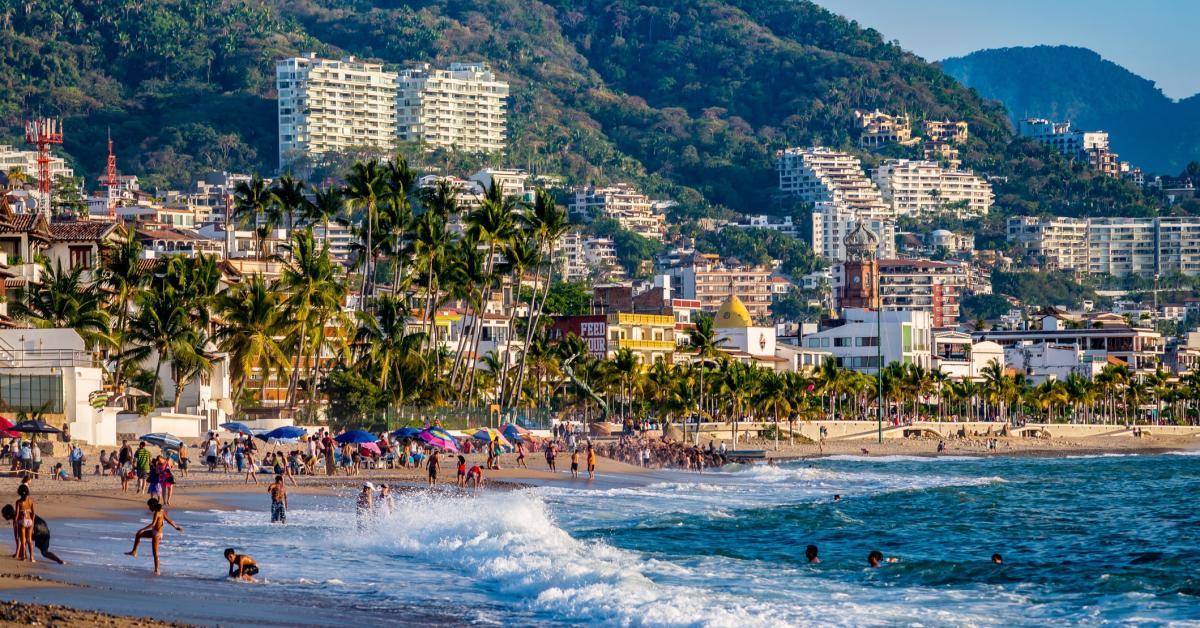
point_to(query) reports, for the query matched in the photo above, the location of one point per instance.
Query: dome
(942, 233)
(860, 242)
(733, 314)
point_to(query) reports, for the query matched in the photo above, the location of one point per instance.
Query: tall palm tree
(64, 300)
(365, 186)
(492, 225)
(254, 201)
(704, 340)
(289, 193)
(315, 295)
(391, 353)
(252, 321)
(396, 214)
(121, 273)
(772, 395)
(328, 206)
(431, 245)
(546, 223)
(521, 253)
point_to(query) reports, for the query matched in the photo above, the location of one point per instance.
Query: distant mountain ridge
(1069, 83)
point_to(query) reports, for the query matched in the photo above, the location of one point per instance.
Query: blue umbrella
(238, 428)
(406, 432)
(356, 436)
(162, 439)
(285, 432)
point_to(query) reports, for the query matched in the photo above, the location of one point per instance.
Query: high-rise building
(1055, 243)
(705, 278)
(924, 187)
(328, 106)
(1112, 246)
(1089, 145)
(463, 107)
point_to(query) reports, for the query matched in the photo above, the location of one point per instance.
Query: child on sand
(23, 523)
(241, 566)
(154, 531)
(475, 477)
(521, 454)
(462, 472)
(278, 500)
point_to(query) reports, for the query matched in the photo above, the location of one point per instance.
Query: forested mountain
(689, 98)
(1067, 83)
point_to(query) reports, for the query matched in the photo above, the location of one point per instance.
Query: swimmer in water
(810, 553)
(154, 531)
(241, 566)
(837, 498)
(875, 558)
(997, 559)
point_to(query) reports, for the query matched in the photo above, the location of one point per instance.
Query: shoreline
(82, 593)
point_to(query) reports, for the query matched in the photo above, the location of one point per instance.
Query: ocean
(1086, 540)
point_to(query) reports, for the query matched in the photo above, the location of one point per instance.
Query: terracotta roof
(89, 231)
(24, 223)
(15, 282)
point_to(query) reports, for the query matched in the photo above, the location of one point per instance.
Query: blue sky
(1156, 39)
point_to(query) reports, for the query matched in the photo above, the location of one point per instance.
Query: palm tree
(315, 295)
(546, 223)
(741, 385)
(64, 300)
(254, 201)
(521, 253)
(391, 353)
(328, 205)
(626, 367)
(122, 274)
(773, 395)
(253, 320)
(289, 193)
(703, 338)
(396, 214)
(431, 244)
(492, 225)
(365, 186)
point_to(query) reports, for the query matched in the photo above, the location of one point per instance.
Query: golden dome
(733, 315)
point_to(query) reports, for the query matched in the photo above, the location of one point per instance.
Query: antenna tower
(110, 178)
(42, 133)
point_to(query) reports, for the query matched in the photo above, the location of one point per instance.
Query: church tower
(860, 271)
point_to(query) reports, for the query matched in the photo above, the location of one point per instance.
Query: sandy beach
(38, 592)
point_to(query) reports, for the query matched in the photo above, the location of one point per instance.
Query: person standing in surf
(433, 465)
(154, 531)
(279, 500)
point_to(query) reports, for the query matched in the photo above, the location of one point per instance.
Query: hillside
(687, 98)
(1068, 83)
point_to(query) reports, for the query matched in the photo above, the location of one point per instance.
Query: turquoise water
(1089, 540)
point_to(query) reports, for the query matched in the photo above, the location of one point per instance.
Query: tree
(64, 300)
(254, 202)
(253, 321)
(703, 339)
(365, 186)
(121, 273)
(315, 295)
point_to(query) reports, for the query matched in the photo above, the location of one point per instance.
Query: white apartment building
(1113, 246)
(26, 160)
(463, 107)
(784, 225)
(581, 258)
(327, 106)
(924, 187)
(831, 222)
(1059, 136)
(854, 339)
(511, 182)
(623, 203)
(1058, 243)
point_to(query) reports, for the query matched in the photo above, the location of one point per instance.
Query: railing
(660, 345)
(18, 358)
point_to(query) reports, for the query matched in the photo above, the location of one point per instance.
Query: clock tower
(860, 271)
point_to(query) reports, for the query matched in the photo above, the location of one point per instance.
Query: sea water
(1085, 541)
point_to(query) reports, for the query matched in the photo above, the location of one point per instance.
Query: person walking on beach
(183, 461)
(210, 453)
(521, 454)
(251, 469)
(23, 523)
(550, 455)
(154, 531)
(574, 464)
(327, 447)
(433, 465)
(241, 566)
(279, 500)
(166, 481)
(154, 489)
(141, 463)
(41, 533)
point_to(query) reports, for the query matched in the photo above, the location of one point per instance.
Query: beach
(536, 515)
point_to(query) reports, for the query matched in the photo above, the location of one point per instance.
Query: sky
(1155, 39)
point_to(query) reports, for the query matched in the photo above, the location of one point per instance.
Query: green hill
(689, 98)
(1068, 83)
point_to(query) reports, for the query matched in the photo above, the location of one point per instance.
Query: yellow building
(650, 336)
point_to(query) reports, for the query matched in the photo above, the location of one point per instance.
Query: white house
(854, 339)
(956, 356)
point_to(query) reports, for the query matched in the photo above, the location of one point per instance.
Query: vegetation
(1043, 289)
(682, 98)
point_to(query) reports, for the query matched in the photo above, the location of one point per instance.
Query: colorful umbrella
(406, 432)
(488, 435)
(285, 432)
(439, 438)
(162, 439)
(5, 424)
(356, 436)
(369, 447)
(515, 433)
(238, 428)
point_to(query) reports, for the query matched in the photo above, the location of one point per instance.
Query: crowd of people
(664, 453)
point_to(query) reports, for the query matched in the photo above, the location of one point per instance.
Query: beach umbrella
(356, 436)
(283, 441)
(238, 428)
(35, 427)
(5, 424)
(406, 432)
(515, 434)
(439, 438)
(162, 439)
(285, 432)
(370, 447)
(488, 434)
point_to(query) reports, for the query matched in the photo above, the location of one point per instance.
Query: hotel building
(924, 187)
(463, 107)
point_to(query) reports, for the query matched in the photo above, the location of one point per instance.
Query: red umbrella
(4, 431)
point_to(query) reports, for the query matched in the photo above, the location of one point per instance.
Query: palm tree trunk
(294, 380)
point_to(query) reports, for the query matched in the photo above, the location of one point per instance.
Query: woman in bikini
(154, 531)
(23, 524)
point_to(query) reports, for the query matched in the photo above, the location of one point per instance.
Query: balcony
(646, 345)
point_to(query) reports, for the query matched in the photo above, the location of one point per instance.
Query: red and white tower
(110, 179)
(42, 133)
